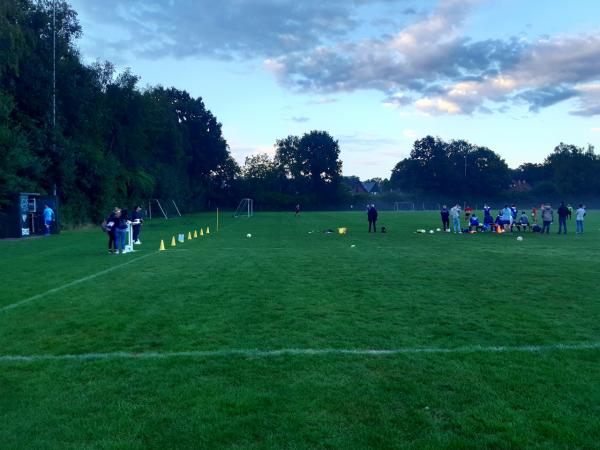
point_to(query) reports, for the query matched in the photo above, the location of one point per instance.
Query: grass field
(215, 344)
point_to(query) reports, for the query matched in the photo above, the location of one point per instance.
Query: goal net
(404, 206)
(245, 208)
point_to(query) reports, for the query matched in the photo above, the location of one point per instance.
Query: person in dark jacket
(563, 213)
(372, 216)
(121, 225)
(109, 226)
(136, 224)
(445, 214)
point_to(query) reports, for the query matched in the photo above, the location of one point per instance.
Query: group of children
(508, 219)
(116, 226)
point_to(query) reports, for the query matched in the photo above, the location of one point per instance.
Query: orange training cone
(195, 234)
(201, 232)
(207, 230)
(189, 236)
(173, 243)
(162, 246)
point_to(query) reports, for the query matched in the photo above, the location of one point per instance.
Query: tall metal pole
(54, 82)
(465, 165)
(53, 65)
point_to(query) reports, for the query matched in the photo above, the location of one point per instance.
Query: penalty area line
(72, 283)
(255, 353)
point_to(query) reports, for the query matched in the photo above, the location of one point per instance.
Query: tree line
(114, 143)
(459, 169)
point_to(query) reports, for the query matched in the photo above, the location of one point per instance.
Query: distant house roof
(355, 186)
(371, 187)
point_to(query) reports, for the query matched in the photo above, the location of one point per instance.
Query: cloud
(595, 130)
(433, 66)
(323, 101)
(300, 119)
(325, 48)
(410, 134)
(227, 29)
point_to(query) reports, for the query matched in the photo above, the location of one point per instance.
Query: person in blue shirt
(507, 217)
(474, 223)
(487, 215)
(514, 211)
(48, 218)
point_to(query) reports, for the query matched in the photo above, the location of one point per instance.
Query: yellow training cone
(207, 230)
(162, 246)
(189, 236)
(195, 234)
(201, 232)
(173, 243)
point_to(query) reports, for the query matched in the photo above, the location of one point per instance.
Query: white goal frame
(245, 208)
(410, 206)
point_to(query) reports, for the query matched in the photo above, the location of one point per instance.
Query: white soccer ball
(430, 231)
(248, 235)
(520, 238)
(438, 230)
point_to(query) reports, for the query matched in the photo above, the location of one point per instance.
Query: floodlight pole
(53, 65)
(54, 83)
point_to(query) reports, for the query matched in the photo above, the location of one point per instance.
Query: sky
(516, 76)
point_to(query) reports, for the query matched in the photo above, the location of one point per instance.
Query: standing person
(487, 215)
(579, 215)
(137, 221)
(507, 218)
(372, 216)
(109, 226)
(570, 208)
(48, 218)
(445, 214)
(455, 214)
(121, 224)
(563, 213)
(514, 212)
(297, 210)
(547, 218)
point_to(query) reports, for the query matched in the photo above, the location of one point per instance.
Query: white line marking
(70, 284)
(255, 353)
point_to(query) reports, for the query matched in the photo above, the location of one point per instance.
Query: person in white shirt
(455, 214)
(579, 215)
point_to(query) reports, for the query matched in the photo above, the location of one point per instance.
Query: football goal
(245, 208)
(165, 209)
(404, 206)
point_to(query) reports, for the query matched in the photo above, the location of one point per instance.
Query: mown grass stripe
(255, 353)
(72, 283)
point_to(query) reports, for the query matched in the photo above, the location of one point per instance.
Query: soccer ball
(248, 235)
(438, 230)
(430, 231)
(520, 238)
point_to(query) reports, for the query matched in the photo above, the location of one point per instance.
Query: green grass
(286, 288)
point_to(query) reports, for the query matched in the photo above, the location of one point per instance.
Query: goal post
(245, 208)
(404, 206)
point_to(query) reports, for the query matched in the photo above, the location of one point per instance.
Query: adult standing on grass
(445, 214)
(372, 217)
(455, 214)
(136, 227)
(109, 226)
(579, 215)
(48, 218)
(547, 218)
(563, 213)
(507, 218)
(121, 224)
(297, 210)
